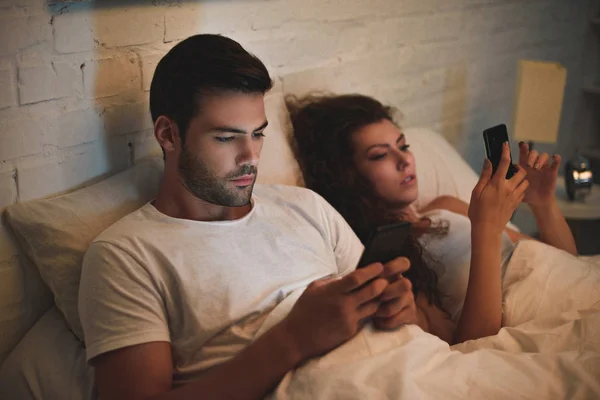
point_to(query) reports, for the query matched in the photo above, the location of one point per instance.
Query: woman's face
(382, 157)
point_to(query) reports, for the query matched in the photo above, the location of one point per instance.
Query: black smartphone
(493, 138)
(385, 243)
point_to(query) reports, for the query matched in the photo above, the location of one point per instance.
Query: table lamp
(539, 97)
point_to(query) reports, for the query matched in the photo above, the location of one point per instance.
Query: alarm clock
(578, 178)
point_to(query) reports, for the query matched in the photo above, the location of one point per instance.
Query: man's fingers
(406, 316)
(368, 309)
(393, 307)
(396, 289)
(394, 268)
(370, 291)
(358, 278)
(500, 173)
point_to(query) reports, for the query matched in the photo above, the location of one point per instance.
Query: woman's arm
(553, 227)
(482, 311)
(541, 197)
(435, 321)
(493, 201)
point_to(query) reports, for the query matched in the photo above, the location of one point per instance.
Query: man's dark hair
(202, 65)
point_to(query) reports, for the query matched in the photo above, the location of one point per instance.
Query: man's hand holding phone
(397, 305)
(333, 310)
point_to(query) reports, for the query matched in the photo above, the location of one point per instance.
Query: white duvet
(549, 347)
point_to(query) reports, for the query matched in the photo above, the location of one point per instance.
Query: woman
(352, 153)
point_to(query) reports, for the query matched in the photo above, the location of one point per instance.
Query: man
(172, 294)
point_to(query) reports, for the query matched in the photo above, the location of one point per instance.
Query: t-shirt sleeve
(346, 245)
(119, 302)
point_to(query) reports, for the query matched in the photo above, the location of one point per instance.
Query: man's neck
(174, 200)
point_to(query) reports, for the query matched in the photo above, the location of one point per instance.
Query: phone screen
(385, 244)
(494, 138)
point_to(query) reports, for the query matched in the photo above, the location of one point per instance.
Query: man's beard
(203, 184)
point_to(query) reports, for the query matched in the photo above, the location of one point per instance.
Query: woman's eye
(405, 147)
(376, 157)
(224, 139)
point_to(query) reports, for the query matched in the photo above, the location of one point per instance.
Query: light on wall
(538, 105)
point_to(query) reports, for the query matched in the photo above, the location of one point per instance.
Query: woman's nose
(402, 160)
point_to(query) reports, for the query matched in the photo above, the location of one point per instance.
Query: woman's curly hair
(322, 142)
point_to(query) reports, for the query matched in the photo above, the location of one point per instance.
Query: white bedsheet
(548, 349)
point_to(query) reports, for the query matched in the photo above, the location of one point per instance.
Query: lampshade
(539, 97)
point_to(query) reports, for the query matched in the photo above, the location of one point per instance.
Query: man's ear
(166, 133)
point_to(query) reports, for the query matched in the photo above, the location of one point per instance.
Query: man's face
(219, 158)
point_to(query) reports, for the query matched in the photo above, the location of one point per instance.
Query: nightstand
(583, 218)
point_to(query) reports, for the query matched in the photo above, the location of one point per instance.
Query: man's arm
(328, 313)
(145, 371)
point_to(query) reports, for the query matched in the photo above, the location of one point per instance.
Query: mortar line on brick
(16, 179)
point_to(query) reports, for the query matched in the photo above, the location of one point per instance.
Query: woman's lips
(409, 180)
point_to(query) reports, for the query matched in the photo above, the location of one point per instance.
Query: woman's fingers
(523, 153)
(556, 160)
(542, 161)
(517, 178)
(484, 178)
(521, 188)
(532, 158)
(500, 173)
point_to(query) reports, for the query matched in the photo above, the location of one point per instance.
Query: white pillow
(277, 161)
(48, 363)
(55, 233)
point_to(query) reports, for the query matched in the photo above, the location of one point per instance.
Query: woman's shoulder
(448, 203)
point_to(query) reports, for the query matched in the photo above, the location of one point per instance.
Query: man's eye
(224, 139)
(405, 147)
(258, 134)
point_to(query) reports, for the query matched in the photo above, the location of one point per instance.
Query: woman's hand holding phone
(495, 198)
(541, 175)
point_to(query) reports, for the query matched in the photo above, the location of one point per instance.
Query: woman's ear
(166, 133)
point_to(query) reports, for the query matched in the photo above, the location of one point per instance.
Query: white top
(206, 287)
(450, 257)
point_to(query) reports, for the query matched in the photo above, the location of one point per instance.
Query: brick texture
(50, 81)
(111, 76)
(8, 97)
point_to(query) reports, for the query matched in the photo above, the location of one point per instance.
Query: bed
(549, 347)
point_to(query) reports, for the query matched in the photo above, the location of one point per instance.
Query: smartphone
(385, 243)
(493, 138)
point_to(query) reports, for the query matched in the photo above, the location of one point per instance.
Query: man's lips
(244, 180)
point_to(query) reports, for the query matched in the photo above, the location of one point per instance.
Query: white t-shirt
(206, 287)
(450, 257)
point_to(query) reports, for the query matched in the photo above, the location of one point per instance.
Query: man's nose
(249, 153)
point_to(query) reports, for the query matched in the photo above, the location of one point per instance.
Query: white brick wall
(74, 80)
